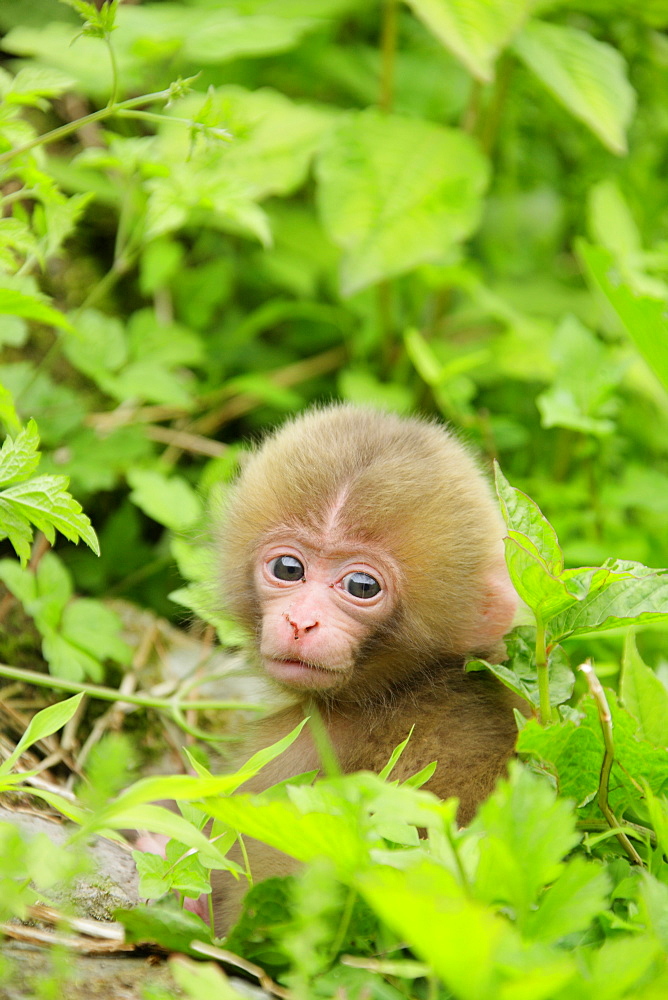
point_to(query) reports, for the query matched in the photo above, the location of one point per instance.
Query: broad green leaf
(17, 303)
(615, 599)
(362, 387)
(169, 500)
(97, 629)
(68, 660)
(643, 317)
(462, 941)
(305, 836)
(46, 722)
(475, 31)
(526, 832)
(522, 514)
(32, 83)
(395, 193)
(174, 929)
(545, 593)
(615, 968)
(644, 696)
(611, 224)
(574, 752)
(587, 375)
(587, 76)
(97, 346)
(570, 903)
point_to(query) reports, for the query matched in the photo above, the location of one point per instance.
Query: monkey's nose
(300, 630)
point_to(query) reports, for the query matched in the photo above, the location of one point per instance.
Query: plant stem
(605, 718)
(543, 675)
(95, 116)
(388, 49)
(111, 694)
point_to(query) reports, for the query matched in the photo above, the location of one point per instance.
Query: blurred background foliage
(454, 208)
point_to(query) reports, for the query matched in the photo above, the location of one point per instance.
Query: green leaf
(169, 926)
(518, 672)
(526, 832)
(619, 594)
(574, 752)
(17, 303)
(394, 756)
(587, 375)
(546, 594)
(46, 722)
(305, 836)
(587, 76)
(201, 980)
(570, 903)
(45, 503)
(395, 193)
(610, 221)
(644, 696)
(462, 941)
(19, 457)
(643, 317)
(523, 515)
(475, 31)
(68, 660)
(97, 346)
(169, 500)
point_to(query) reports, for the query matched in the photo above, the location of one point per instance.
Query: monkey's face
(318, 607)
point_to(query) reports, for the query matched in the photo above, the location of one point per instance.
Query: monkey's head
(359, 548)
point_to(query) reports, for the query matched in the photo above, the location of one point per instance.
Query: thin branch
(605, 718)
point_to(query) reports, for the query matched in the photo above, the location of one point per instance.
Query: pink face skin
(314, 622)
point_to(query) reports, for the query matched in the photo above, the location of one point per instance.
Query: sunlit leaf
(587, 76)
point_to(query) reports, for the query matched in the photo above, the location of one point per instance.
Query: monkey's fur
(347, 476)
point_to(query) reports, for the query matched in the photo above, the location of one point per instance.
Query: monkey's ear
(498, 605)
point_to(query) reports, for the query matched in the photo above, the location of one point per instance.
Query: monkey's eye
(361, 585)
(287, 568)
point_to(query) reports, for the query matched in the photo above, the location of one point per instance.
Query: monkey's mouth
(297, 673)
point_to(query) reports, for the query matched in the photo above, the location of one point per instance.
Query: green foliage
(453, 206)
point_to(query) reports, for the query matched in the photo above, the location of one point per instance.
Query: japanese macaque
(363, 552)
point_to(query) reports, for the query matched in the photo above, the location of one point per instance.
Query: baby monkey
(363, 552)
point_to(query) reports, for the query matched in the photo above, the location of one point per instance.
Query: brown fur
(406, 487)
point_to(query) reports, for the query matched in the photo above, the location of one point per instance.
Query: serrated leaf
(303, 836)
(460, 939)
(475, 31)
(17, 303)
(620, 600)
(395, 193)
(574, 751)
(523, 515)
(45, 723)
(527, 832)
(587, 76)
(570, 904)
(19, 457)
(546, 594)
(643, 317)
(45, 503)
(644, 696)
